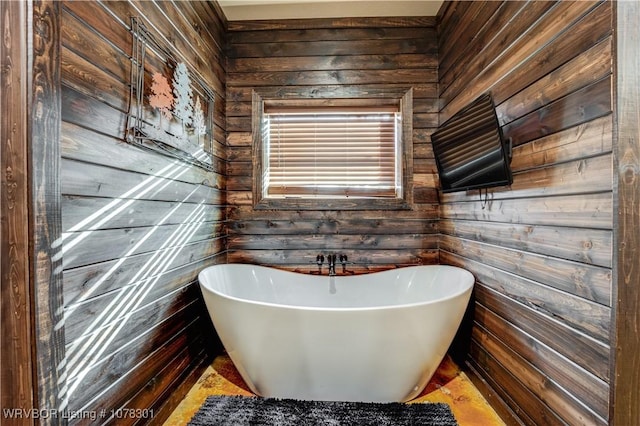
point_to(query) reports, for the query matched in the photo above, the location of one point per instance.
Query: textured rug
(242, 410)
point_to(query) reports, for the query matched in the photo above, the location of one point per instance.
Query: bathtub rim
(462, 292)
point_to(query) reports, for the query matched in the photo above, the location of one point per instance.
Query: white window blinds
(332, 153)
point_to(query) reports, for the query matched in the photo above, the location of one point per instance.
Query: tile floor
(449, 385)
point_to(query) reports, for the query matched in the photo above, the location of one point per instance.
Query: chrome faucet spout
(332, 264)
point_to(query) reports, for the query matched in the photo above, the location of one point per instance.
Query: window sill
(332, 204)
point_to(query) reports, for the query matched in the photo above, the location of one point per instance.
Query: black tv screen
(470, 150)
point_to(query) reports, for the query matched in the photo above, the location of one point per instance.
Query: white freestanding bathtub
(374, 337)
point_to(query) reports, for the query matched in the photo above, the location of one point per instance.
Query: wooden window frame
(402, 97)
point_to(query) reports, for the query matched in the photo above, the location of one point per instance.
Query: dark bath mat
(245, 411)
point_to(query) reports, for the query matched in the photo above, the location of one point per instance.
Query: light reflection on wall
(86, 352)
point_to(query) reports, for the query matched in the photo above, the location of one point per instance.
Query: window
(331, 153)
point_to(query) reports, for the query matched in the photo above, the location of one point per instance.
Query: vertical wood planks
(17, 362)
(625, 351)
(45, 221)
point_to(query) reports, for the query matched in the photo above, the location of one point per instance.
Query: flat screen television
(470, 150)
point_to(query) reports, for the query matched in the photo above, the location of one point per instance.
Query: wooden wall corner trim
(625, 347)
(44, 121)
(16, 361)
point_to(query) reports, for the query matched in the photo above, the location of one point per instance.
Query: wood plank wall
(541, 249)
(135, 326)
(339, 58)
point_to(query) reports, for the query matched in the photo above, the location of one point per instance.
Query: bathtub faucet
(319, 262)
(331, 258)
(343, 260)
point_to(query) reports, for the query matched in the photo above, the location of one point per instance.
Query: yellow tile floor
(449, 385)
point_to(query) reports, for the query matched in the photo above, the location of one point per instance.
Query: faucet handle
(343, 259)
(319, 259)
